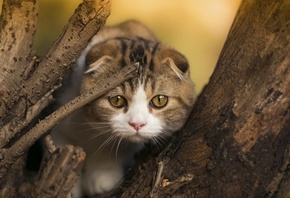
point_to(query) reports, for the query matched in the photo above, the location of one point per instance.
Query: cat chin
(137, 139)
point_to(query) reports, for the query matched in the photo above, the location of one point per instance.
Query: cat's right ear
(176, 61)
(101, 55)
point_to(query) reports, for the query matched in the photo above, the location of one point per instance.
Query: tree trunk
(236, 142)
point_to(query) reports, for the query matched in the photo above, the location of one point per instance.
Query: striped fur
(164, 71)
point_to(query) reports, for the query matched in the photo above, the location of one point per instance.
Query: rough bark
(236, 141)
(24, 85)
(59, 174)
(27, 83)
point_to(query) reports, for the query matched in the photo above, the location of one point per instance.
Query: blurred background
(196, 28)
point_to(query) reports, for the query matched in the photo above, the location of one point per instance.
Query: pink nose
(137, 126)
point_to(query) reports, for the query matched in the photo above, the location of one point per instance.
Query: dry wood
(17, 28)
(235, 143)
(26, 89)
(59, 174)
(18, 148)
(30, 84)
(10, 155)
(49, 144)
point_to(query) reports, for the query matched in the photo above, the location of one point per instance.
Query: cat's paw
(101, 181)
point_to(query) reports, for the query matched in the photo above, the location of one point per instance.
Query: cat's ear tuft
(102, 54)
(176, 61)
(104, 60)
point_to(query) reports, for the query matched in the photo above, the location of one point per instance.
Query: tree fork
(236, 140)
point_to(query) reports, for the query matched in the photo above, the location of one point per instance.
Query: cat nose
(137, 126)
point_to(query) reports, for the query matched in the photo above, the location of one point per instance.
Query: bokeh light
(198, 29)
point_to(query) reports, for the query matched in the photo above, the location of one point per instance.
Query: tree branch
(17, 97)
(27, 83)
(18, 148)
(89, 17)
(17, 124)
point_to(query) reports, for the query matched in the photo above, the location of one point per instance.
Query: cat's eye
(118, 101)
(159, 101)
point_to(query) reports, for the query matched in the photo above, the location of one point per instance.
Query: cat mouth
(138, 138)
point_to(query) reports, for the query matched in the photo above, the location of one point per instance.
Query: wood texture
(27, 83)
(235, 144)
(59, 174)
(236, 141)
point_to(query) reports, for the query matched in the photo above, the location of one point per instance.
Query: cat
(114, 127)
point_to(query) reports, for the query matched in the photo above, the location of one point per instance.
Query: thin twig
(158, 177)
(19, 147)
(49, 144)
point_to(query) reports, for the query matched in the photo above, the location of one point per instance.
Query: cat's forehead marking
(142, 52)
(138, 50)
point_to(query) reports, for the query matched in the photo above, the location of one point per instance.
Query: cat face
(148, 107)
(137, 122)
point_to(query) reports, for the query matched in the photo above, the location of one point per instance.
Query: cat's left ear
(176, 61)
(98, 64)
(102, 56)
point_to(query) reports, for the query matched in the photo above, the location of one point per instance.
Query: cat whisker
(112, 147)
(104, 144)
(168, 134)
(155, 141)
(90, 123)
(87, 121)
(117, 148)
(98, 128)
(90, 135)
(160, 141)
(93, 130)
(96, 135)
(95, 125)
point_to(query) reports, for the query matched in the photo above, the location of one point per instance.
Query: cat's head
(150, 106)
